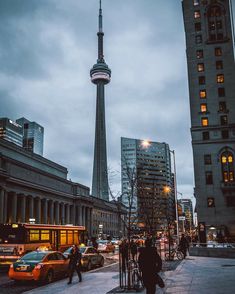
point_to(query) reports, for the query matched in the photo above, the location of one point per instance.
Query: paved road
(10, 287)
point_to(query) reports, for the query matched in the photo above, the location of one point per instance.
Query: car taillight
(39, 266)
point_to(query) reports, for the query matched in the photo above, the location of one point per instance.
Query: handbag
(159, 281)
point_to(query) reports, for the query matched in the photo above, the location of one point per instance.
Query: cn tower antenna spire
(100, 36)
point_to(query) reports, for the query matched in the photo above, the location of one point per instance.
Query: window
(210, 202)
(204, 121)
(224, 134)
(198, 27)
(196, 2)
(197, 14)
(198, 39)
(200, 67)
(34, 235)
(203, 107)
(205, 135)
(45, 235)
(219, 64)
(223, 120)
(220, 78)
(218, 51)
(202, 80)
(207, 159)
(222, 106)
(216, 21)
(227, 166)
(202, 94)
(230, 201)
(209, 178)
(221, 92)
(199, 54)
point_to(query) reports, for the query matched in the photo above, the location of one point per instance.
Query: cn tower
(100, 76)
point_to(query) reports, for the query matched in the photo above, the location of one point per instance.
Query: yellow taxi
(105, 246)
(39, 266)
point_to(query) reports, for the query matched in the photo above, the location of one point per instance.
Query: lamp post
(176, 201)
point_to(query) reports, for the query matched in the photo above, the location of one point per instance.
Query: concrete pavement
(194, 275)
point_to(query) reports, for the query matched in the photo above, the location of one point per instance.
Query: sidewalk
(194, 275)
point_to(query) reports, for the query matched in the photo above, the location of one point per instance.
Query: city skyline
(47, 48)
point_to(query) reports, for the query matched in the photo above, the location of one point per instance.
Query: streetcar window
(70, 237)
(63, 239)
(45, 235)
(34, 235)
(75, 237)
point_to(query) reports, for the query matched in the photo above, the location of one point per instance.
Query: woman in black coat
(150, 264)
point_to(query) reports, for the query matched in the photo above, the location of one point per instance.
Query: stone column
(13, 207)
(5, 211)
(57, 213)
(62, 214)
(2, 196)
(31, 207)
(22, 208)
(51, 212)
(38, 211)
(80, 215)
(73, 214)
(45, 211)
(91, 221)
(67, 221)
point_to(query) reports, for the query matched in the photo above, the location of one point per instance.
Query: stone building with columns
(33, 187)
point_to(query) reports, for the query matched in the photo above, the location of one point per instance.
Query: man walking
(183, 245)
(75, 263)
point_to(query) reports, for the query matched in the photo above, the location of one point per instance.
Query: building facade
(211, 76)
(147, 182)
(11, 131)
(187, 223)
(100, 76)
(33, 135)
(33, 187)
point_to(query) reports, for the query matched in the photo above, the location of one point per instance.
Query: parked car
(90, 257)
(39, 266)
(105, 246)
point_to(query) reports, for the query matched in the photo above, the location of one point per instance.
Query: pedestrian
(123, 249)
(150, 264)
(133, 247)
(75, 263)
(183, 245)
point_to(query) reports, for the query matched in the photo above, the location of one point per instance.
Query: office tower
(146, 170)
(211, 77)
(11, 131)
(187, 210)
(100, 76)
(33, 135)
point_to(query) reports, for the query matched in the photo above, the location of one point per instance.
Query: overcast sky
(47, 48)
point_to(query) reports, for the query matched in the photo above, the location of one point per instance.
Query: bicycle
(136, 278)
(174, 252)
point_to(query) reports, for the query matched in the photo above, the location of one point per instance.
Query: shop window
(203, 107)
(220, 78)
(204, 121)
(197, 14)
(221, 92)
(205, 135)
(207, 159)
(224, 134)
(198, 39)
(219, 64)
(202, 80)
(200, 67)
(210, 202)
(227, 166)
(199, 54)
(202, 94)
(218, 51)
(198, 27)
(224, 120)
(209, 178)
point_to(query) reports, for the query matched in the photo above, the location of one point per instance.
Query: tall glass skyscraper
(11, 131)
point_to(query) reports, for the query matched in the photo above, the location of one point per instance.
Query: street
(10, 287)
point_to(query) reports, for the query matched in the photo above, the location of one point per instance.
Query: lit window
(202, 80)
(197, 14)
(204, 121)
(219, 64)
(227, 166)
(218, 51)
(224, 120)
(200, 67)
(202, 94)
(199, 54)
(220, 78)
(203, 107)
(196, 2)
(210, 202)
